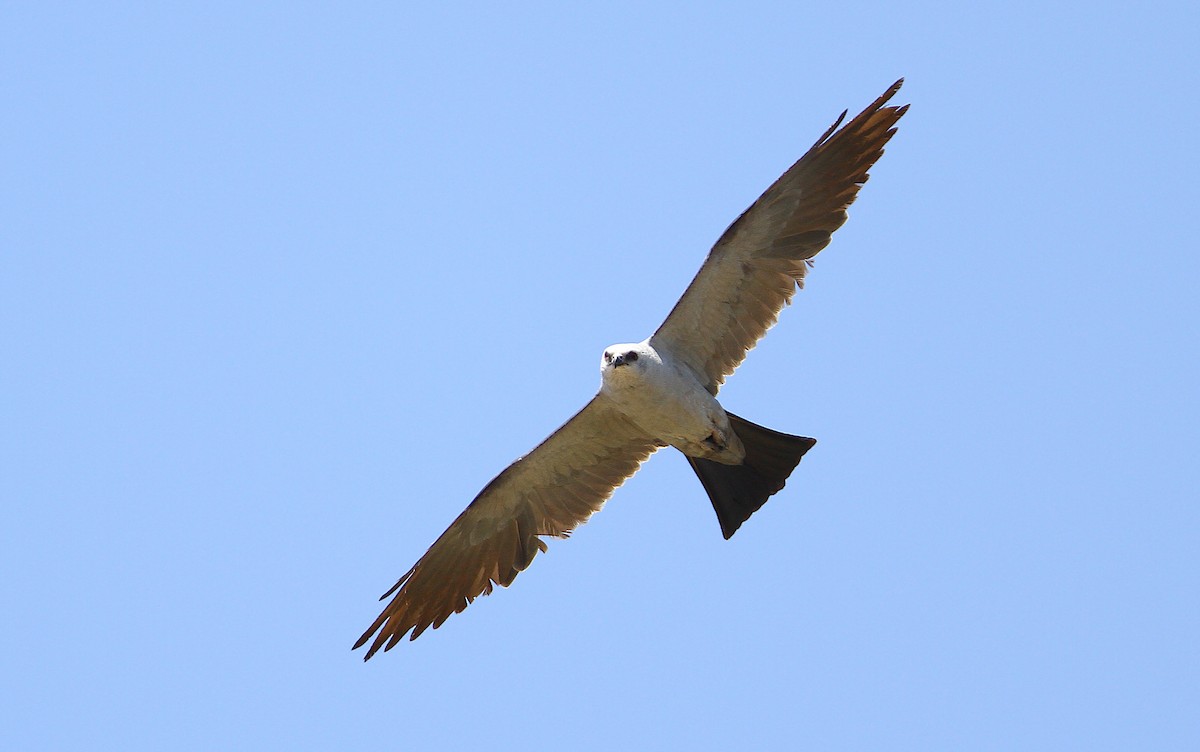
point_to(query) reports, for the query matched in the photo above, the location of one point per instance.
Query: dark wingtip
(363, 641)
(883, 99)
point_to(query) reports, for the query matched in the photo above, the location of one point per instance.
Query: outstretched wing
(755, 268)
(549, 491)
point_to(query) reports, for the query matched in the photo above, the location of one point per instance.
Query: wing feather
(550, 491)
(760, 261)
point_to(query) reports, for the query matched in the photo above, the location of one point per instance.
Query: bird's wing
(549, 491)
(755, 267)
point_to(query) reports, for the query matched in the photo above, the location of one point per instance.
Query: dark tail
(738, 491)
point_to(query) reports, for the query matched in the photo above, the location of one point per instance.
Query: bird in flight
(656, 393)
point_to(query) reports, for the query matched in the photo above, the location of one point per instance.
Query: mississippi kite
(658, 392)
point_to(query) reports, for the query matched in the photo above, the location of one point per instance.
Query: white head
(625, 361)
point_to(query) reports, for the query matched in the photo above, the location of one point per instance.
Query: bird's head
(621, 361)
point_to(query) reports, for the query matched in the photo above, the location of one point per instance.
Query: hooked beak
(618, 360)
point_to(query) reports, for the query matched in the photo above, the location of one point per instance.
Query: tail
(738, 491)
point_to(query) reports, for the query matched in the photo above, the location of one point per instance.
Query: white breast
(664, 397)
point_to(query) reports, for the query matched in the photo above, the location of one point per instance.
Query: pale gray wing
(755, 267)
(549, 491)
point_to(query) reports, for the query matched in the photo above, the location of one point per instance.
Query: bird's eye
(607, 357)
(631, 356)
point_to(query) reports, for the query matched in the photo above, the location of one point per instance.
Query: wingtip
(363, 641)
(887, 95)
(369, 653)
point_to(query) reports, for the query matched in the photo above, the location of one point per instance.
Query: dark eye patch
(607, 357)
(631, 356)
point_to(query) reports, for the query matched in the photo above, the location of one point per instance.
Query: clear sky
(283, 285)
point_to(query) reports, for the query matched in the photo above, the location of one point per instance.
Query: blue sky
(285, 285)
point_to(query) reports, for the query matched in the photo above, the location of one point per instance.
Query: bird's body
(661, 394)
(656, 393)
